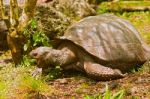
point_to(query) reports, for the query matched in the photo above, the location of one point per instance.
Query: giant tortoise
(103, 46)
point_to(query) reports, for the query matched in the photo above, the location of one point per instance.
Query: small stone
(134, 90)
(62, 81)
(82, 81)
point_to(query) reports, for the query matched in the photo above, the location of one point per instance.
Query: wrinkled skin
(104, 46)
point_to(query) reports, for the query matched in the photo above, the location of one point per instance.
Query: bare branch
(14, 13)
(2, 12)
(28, 13)
(29, 7)
(15, 38)
(2, 9)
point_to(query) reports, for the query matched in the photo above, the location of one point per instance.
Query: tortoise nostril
(34, 54)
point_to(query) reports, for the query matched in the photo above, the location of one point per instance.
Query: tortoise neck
(62, 57)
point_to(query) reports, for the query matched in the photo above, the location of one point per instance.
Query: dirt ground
(136, 86)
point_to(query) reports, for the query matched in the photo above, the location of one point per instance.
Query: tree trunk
(16, 26)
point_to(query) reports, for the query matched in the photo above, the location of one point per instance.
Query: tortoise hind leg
(100, 72)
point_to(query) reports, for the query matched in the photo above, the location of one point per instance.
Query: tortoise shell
(108, 38)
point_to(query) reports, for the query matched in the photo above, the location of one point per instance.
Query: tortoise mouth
(33, 55)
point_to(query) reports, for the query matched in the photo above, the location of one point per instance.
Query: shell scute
(107, 37)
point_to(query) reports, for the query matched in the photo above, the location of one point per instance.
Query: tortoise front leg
(100, 72)
(78, 66)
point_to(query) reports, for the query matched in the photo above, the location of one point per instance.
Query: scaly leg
(100, 72)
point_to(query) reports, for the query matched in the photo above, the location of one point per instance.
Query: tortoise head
(39, 52)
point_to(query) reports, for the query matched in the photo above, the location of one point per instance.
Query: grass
(107, 95)
(3, 90)
(133, 3)
(19, 84)
(30, 87)
(120, 5)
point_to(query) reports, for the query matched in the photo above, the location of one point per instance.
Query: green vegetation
(3, 90)
(19, 83)
(133, 3)
(107, 95)
(120, 6)
(53, 73)
(35, 36)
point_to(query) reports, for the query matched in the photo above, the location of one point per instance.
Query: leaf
(33, 23)
(118, 95)
(107, 94)
(87, 97)
(26, 46)
(98, 96)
